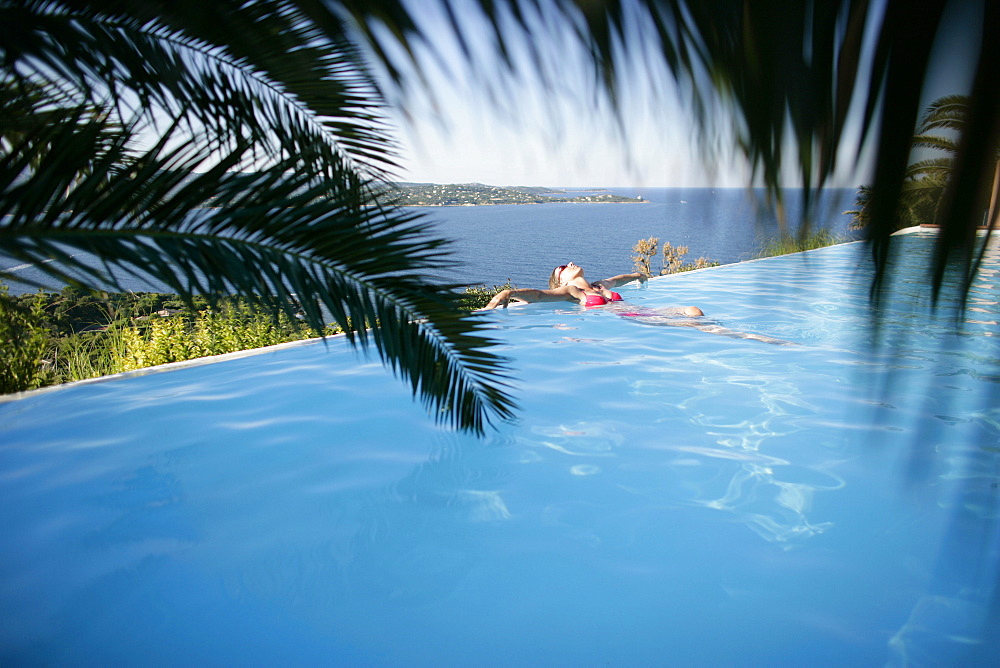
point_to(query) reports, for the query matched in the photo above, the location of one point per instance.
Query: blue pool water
(667, 497)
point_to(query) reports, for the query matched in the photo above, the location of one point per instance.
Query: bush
(230, 328)
(23, 342)
(672, 258)
(51, 338)
(478, 296)
(788, 243)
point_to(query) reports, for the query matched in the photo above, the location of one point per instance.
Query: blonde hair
(554, 278)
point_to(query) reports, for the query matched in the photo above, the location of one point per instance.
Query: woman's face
(569, 272)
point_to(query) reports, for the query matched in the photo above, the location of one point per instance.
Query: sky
(528, 133)
(475, 145)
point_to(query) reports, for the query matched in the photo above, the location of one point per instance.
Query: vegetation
(231, 328)
(790, 243)
(671, 259)
(477, 194)
(121, 120)
(22, 344)
(922, 193)
(52, 338)
(478, 296)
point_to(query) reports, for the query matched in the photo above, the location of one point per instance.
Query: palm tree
(121, 120)
(945, 113)
(951, 113)
(926, 180)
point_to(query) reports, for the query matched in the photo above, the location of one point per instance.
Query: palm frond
(936, 142)
(945, 113)
(133, 66)
(278, 235)
(149, 120)
(937, 166)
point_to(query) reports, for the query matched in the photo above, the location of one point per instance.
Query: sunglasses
(559, 270)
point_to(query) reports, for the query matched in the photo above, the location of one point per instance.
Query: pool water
(668, 496)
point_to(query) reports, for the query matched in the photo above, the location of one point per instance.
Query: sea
(521, 243)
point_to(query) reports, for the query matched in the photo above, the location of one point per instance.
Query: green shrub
(23, 342)
(230, 328)
(51, 338)
(477, 296)
(788, 243)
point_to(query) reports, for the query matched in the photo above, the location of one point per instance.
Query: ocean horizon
(520, 243)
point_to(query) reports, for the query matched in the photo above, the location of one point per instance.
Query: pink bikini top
(599, 300)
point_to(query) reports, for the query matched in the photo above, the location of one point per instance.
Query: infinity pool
(668, 496)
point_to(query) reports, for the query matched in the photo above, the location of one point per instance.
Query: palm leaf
(299, 110)
(134, 66)
(935, 142)
(945, 113)
(938, 166)
(308, 238)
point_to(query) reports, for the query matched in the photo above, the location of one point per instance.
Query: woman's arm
(561, 294)
(621, 279)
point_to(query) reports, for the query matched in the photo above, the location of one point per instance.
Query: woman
(567, 283)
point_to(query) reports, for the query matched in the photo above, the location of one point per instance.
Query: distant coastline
(478, 194)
